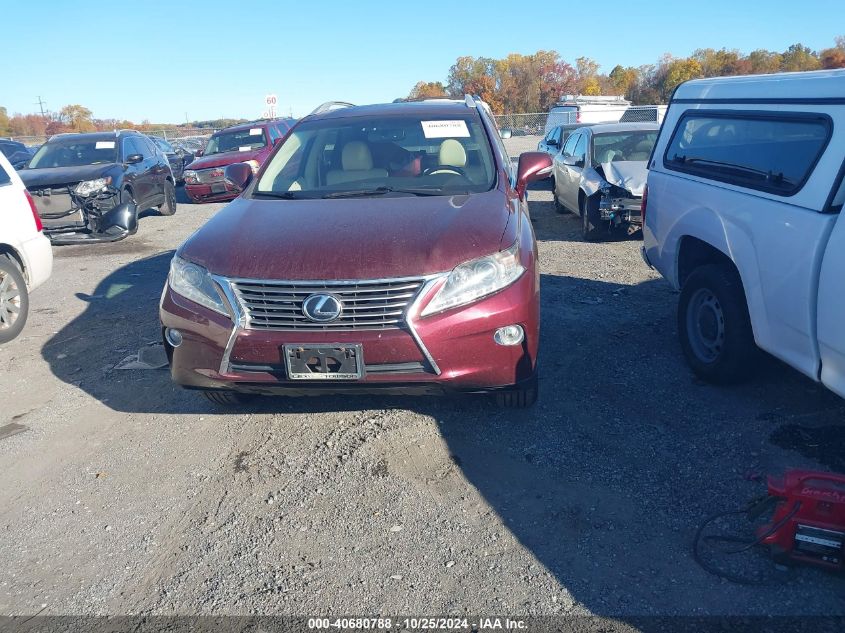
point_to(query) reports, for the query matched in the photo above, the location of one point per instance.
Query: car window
(5, 179)
(581, 147)
(163, 145)
(569, 147)
(73, 152)
(236, 141)
(768, 152)
(426, 154)
(551, 134)
(274, 133)
(557, 135)
(622, 146)
(134, 147)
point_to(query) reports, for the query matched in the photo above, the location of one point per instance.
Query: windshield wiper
(380, 191)
(282, 195)
(768, 175)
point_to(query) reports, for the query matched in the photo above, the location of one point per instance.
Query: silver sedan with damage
(600, 174)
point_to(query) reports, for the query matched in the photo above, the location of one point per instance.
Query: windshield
(74, 154)
(631, 146)
(238, 141)
(377, 155)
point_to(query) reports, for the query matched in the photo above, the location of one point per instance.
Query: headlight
(254, 164)
(89, 187)
(476, 279)
(190, 176)
(193, 282)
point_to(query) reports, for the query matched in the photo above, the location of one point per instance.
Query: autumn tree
(834, 57)
(677, 72)
(4, 122)
(427, 90)
(78, 118)
(799, 57)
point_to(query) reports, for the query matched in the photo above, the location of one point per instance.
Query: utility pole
(41, 105)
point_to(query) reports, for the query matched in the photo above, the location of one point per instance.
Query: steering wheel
(445, 168)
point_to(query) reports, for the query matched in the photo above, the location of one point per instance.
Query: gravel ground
(128, 495)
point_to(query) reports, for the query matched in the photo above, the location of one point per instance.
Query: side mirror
(198, 153)
(573, 161)
(134, 159)
(552, 143)
(532, 166)
(506, 132)
(238, 176)
(277, 141)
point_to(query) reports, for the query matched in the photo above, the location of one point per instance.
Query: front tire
(227, 398)
(169, 205)
(714, 326)
(522, 398)
(593, 228)
(14, 300)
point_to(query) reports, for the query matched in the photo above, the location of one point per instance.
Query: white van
(743, 215)
(573, 109)
(26, 258)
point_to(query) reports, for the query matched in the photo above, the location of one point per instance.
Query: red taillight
(644, 203)
(35, 215)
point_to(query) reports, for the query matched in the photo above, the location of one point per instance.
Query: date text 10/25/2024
(418, 624)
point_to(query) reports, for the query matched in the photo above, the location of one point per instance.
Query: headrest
(643, 146)
(452, 153)
(356, 156)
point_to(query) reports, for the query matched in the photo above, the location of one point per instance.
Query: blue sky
(158, 60)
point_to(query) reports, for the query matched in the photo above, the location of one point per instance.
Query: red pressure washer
(807, 525)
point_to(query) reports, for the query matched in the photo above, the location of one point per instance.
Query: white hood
(629, 174)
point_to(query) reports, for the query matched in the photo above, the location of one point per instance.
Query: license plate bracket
(218, 187)
(336, 361)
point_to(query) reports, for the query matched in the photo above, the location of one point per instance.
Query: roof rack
(328, 106)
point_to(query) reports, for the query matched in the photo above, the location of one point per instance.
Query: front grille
(367, 305)
(206, 176)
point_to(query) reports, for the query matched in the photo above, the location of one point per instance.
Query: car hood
(628, 174)
(226, 158)
(361, 238)
(58, 176)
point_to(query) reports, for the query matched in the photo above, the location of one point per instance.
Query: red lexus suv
(383, 248)
(249, 143)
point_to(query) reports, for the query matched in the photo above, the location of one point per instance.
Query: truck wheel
(168, 207)
(227, 398)
(714, 326)
(521, 398)
(593, 228)
(14, 300)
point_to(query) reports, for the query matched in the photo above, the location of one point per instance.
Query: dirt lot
(128, 495)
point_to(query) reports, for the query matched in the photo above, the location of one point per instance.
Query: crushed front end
(620, 206)
(87, 211)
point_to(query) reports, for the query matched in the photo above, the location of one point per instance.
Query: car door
(560, 169)
(831, 307)
(134, 177)
(574, 172)
(159, 168)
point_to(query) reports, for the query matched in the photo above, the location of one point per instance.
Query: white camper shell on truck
(743, 214)
(583, 109)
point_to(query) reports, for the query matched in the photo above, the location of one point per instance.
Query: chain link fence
(196, 135)
(527, 130)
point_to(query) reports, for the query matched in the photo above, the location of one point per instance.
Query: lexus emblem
(322, 308)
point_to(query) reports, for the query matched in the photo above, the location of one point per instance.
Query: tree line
(533, 83)
(77, 118)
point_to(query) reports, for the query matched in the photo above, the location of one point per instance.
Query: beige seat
(357, 162)
(642, 151)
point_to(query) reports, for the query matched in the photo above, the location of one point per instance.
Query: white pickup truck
(743, 215)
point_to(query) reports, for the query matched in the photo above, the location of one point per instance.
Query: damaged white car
(600, 173)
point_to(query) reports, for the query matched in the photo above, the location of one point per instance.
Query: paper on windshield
(445, 129)
(104, 145)
(244, 148)
(255, 131)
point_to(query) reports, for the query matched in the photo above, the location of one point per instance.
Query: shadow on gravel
(604, 481)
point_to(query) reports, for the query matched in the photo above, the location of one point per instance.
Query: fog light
(509, 335)
(174, 337)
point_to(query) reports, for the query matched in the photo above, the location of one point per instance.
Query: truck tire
(14, 300)
(593, 228)
(714, 326)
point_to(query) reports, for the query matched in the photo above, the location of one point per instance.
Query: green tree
(4, 122)
(799, 57)
(624, 80)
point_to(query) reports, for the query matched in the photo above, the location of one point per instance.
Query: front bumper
(451, 351)
(211, 192)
